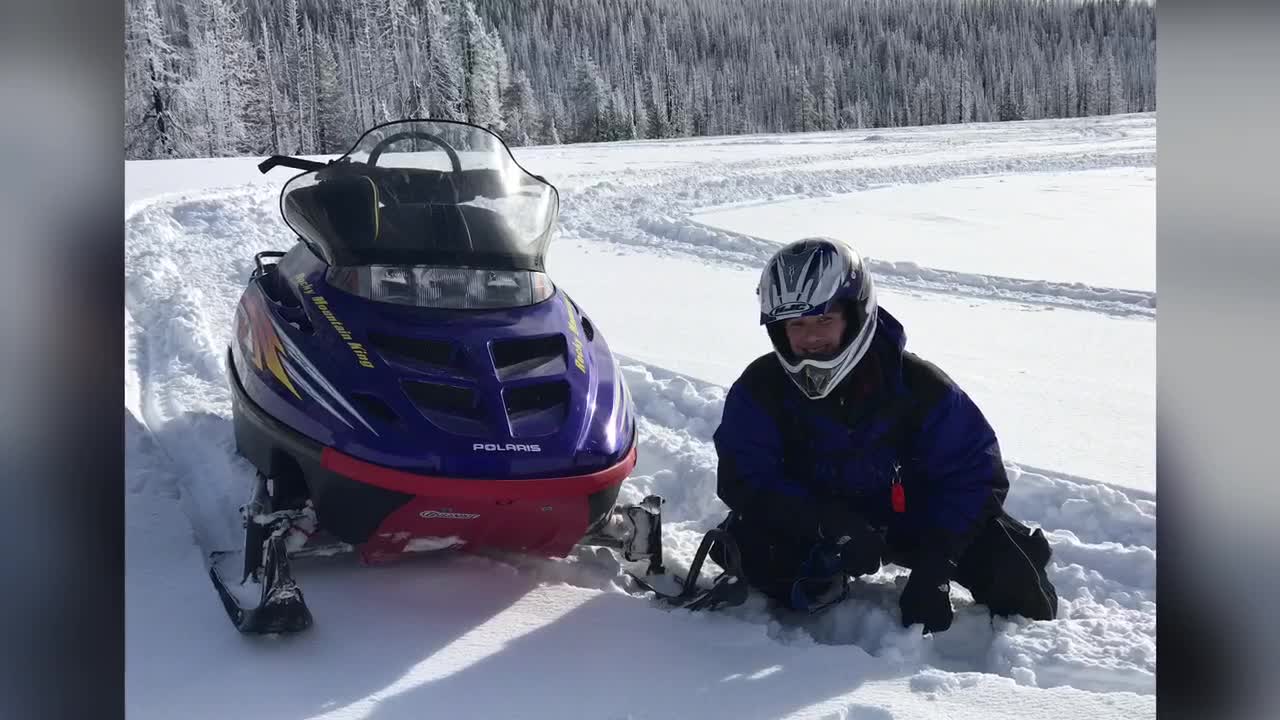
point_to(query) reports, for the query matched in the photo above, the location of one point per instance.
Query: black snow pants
(1004, 567)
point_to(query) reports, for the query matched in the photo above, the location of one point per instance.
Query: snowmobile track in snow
(651, 209)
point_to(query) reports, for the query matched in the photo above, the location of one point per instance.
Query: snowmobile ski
(266, 599)
(280, 607)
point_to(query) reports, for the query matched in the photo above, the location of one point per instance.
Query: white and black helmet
(808, 277)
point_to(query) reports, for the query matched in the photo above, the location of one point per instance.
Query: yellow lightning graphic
(267, 347)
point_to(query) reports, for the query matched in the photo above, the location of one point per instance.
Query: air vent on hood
(374, 406)
(529, 357)
(449, 407)
(415, 350)
(535, 410)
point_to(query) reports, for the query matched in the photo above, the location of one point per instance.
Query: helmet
(809, 277)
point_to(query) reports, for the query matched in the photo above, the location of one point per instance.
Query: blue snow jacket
(895, 418)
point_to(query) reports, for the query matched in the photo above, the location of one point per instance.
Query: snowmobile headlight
(443, 287)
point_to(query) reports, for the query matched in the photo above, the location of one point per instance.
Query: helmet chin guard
(806, 278)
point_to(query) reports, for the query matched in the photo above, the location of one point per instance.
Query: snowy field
(1019, 256)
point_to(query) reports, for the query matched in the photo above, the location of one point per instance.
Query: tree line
(208, 78)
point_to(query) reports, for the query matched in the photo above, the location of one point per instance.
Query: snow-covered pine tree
(552, 114)
(502, 61)
(291, 76)
(1095, 96)
(154, 122)
(265, 118)
(417, 101)
(334, 130)
(222, 68)
(309, 92)
(1008, 107)
(807, 119)
(636, 80)
(518, 110)
(967, 100)
(463, 27)
(589, 101)
(1116, 101)
(444, 68)
(486, 101)
(1068, 85)
(827, 102)
(367, 67)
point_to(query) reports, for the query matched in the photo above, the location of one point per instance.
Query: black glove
(860, 545)
(927, 596)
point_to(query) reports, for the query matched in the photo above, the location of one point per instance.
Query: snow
(978, 225)
(430, 544)
(1036, 294)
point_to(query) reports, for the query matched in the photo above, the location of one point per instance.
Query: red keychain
(897, 495)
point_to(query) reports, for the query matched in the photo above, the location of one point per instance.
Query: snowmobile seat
(434, 186)
(345, 207)
(446, 228)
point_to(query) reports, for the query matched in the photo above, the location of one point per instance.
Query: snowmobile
(407, 378)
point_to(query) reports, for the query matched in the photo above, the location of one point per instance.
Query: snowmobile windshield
(424, 193)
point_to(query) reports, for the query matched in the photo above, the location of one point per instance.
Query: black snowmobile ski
(265, 599)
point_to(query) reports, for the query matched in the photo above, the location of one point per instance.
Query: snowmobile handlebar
(290, 162)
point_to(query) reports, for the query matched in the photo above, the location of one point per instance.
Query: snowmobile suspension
(636, 530)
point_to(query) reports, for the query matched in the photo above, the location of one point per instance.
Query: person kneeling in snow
(840, 451)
